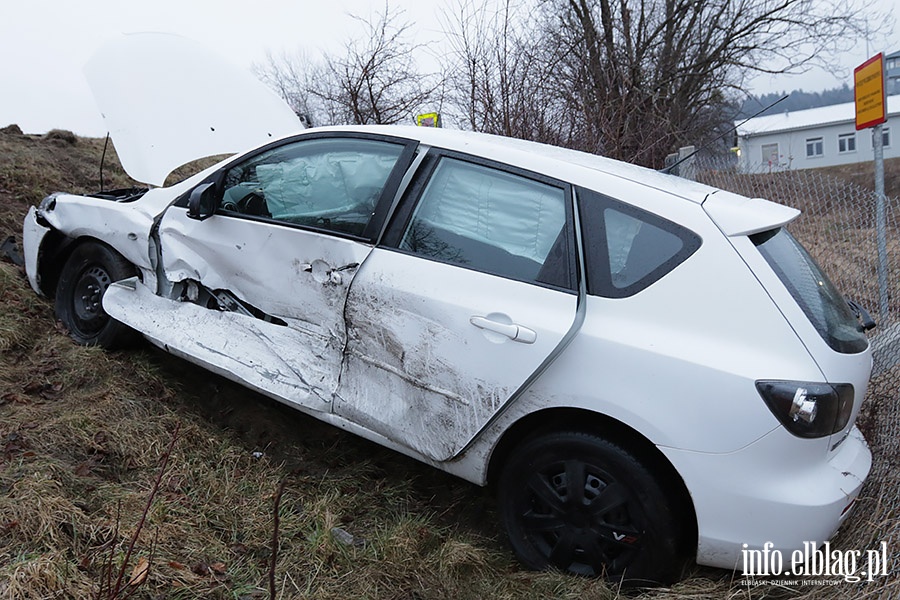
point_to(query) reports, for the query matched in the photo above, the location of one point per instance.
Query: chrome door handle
(517, 333)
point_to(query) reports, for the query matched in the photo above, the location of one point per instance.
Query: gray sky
(45, 43)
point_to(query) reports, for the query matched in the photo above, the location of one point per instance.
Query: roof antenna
(102, 159)
(735, 128)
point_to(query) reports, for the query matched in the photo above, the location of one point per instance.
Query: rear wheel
(88, 272)
(584, 505)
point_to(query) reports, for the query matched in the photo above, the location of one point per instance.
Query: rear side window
(494, 221)
(818, 298)
(628, 249)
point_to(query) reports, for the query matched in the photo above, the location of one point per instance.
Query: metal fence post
(880, 223)
(687, 169)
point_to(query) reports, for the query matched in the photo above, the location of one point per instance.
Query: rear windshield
(818, 298)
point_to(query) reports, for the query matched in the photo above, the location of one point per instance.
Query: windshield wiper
(866, 320)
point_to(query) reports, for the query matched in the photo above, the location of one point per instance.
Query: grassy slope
(82, 433)
(863, 174)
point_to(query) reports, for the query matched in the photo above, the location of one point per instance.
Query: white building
(817, 137)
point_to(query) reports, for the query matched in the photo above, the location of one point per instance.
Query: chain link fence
(838, 227)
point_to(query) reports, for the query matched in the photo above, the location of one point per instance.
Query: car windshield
(818, 298)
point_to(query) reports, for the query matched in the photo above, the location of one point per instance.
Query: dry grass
(82, 433)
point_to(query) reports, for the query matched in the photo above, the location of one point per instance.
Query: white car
(647, 368)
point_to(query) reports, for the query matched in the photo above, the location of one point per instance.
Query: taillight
(809, 410)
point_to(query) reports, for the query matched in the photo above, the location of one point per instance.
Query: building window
(846, 143)
(814, 147)
(770, 154)
(885, 137)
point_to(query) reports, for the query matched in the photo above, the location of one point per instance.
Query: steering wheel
(253, 204)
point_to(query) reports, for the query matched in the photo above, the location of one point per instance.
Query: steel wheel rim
(87, 299)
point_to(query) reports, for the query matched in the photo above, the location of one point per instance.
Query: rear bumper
(781, 490)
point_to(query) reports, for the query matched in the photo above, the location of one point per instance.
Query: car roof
(580, 168)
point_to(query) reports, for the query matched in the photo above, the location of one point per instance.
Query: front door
(262, 283)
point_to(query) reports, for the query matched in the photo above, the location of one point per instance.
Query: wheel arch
(584, 421)
(56, 249)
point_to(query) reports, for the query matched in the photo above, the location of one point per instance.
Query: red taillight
(809, 410)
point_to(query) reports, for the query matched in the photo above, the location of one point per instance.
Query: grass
(82, 434)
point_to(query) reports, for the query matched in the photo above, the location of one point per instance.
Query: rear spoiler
(738, 215)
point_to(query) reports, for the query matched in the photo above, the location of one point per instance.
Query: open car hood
(167, 101)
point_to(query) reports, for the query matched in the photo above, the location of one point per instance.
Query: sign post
(868, 92)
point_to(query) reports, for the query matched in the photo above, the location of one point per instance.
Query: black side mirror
(202, 202)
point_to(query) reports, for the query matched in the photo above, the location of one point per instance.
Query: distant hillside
(797, 100)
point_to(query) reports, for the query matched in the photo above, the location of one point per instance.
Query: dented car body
(646, 367)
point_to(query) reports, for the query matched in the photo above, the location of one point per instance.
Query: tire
(583, 505)
(88, 272)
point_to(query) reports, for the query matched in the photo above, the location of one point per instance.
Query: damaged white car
(647, 368)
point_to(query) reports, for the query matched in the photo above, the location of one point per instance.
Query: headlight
(809, 410)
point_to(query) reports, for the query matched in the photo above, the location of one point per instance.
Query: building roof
(812, 117)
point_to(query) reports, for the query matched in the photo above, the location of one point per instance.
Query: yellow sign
(429, 120)
(868, 91)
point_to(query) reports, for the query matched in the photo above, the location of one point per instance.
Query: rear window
(820, 301)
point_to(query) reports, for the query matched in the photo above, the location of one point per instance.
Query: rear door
(471, 293)
(262, 282)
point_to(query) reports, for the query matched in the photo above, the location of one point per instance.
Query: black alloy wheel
(581, 504)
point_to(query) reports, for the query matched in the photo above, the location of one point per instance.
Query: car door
(262, 282)
(472, 291)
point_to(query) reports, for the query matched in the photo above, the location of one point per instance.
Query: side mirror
(202, 202)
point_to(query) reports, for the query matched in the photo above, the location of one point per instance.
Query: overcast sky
(45, 43)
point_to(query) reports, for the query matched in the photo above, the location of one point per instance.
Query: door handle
(516, 333)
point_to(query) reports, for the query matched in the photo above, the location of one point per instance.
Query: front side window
(814, 147)
(493, 221)
(818, 298)
(847, 143)
(332, 184)
(628, 249)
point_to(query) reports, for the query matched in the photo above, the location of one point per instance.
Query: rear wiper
(866, 320)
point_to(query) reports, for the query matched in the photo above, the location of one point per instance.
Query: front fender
(34, 235)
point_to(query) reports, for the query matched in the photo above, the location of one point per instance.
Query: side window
(493, 221)
(628, 249)
(331, 184)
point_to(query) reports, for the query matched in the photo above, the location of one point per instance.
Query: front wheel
(581, 504)
(88, 272)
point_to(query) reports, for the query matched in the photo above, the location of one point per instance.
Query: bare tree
(633, 79)
(499, 80)
(652, 74)
(290, 76)
(376, 80)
